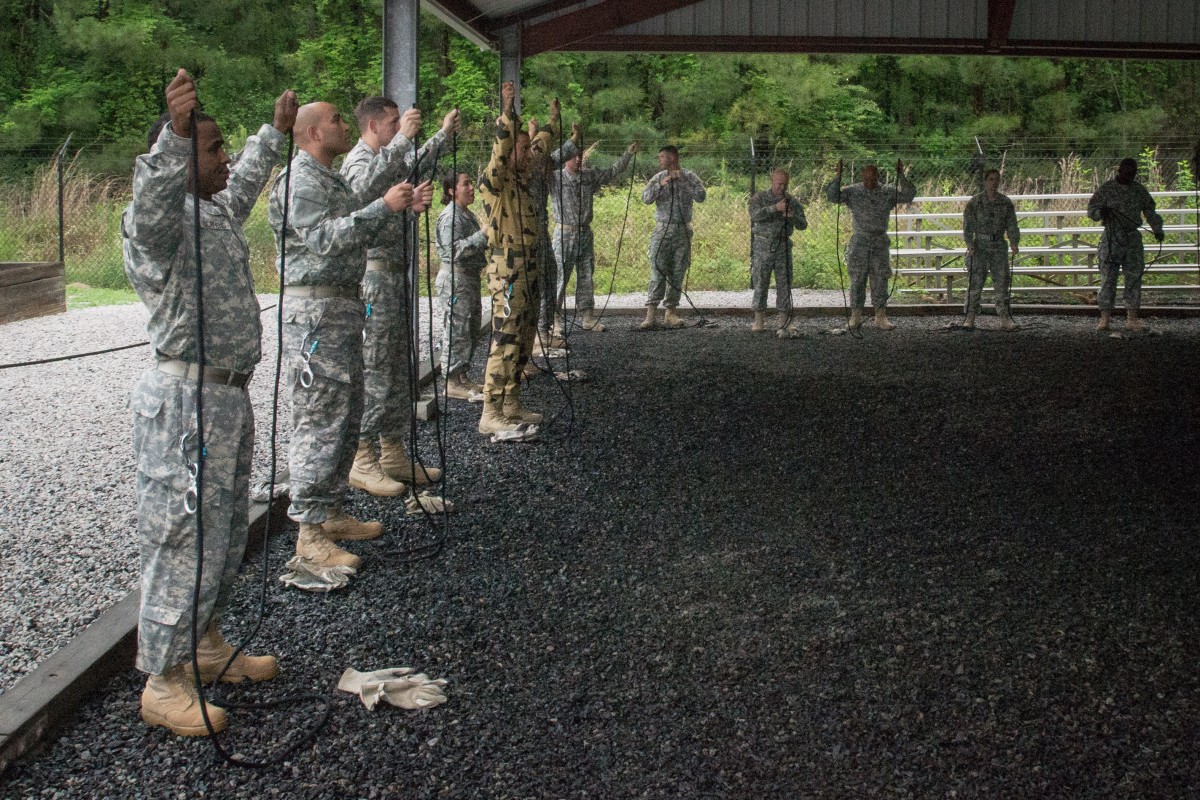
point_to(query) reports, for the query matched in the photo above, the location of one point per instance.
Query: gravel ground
(917, 564)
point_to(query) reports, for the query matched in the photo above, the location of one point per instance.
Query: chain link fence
(92, 205)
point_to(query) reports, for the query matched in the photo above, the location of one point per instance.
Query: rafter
(1000, 17)
(565, 31)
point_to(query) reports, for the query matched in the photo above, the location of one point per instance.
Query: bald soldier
(388, 406)
(329, 227)
(774, 215)
(159, 239)
(1120, 204)
(868, 256)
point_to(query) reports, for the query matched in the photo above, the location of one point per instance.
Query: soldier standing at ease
(672, 190)
(158, 236)
(387, 336)
(988, 216)
(329, 227)
(870, 249)
(461, 245)
(1120, 203)
(774, 216)
(514, 239)
(572, 192)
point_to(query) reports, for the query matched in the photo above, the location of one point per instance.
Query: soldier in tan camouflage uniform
(512, 277)
(988, 216)
(1120, 204)
(387, 412)
(544, 163)
(158, 239)
(329, 228)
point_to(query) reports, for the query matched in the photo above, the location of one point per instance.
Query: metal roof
(1085, 28)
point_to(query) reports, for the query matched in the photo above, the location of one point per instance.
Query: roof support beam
(564, 32)
(1000, 17)
(464, 18)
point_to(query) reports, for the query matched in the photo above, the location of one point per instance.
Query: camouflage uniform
(1120, 207)
(329, 228)
(541, 172)
(671, 242)
(461, 310)
(387, 404)
(512, 275)
(158, 242)
(772, 232)
(985, 222)
(573, 243)
(870, 249)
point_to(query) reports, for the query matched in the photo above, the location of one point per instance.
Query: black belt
(189, 371)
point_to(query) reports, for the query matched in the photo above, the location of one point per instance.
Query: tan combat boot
(969, 322)
(368, 475)
(459, 387)
(170, 700)
(493, 420)
(855, 319)
(314, 545)
(760, 318)
(1102, 325)
(651, 320)
(591, 322)
(881, 320)
(341, 527)
(515, 412)
(397, 463)
(1006, 323)
(213, 653)
(1133, 324)
(671, 319)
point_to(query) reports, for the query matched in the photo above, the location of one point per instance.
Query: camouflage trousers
(575, 250)
(164, 408)
(462, 315)
(511, 281)
(869, 256)
(326, 413)
(670, 257)
(1121, 250)
(993, 259)
(764, 265)
(387, 401)
(547, 288)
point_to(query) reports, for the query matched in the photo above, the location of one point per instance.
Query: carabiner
(507, 312)
(191, 498)
(306, 373)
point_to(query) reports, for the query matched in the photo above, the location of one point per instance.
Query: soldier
(514, 238)
(329, 227)
(387, 337)
(544, 164)
(158, 240)
(774, 216)
(1120, 204)
(461, 244)
(572, 189)
(672, 190)
(988, 216)
(869, 251)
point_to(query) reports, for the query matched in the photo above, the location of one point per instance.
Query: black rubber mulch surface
(919, 564)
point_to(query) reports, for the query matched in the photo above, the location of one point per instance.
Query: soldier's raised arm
(260, 155)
